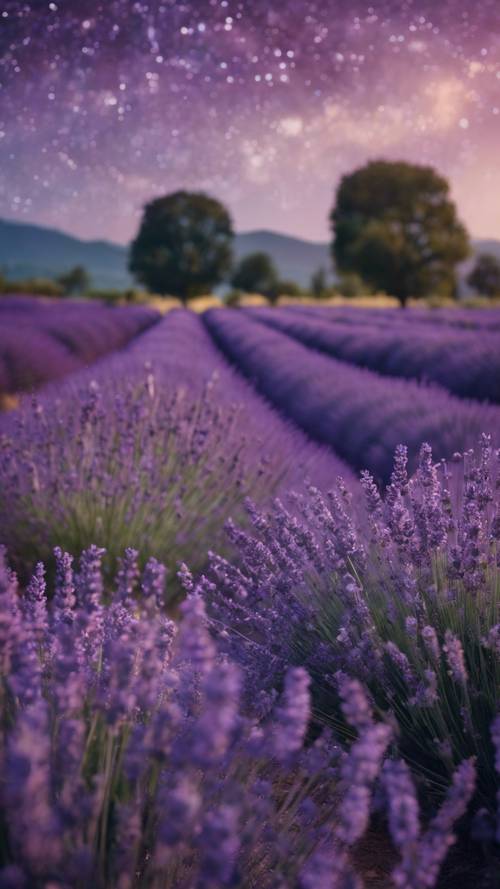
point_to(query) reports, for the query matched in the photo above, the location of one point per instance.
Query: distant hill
(33, 251)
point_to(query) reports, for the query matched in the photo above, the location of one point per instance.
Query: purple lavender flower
(214, 729)
(153, 585)
(404, 821)
(195, 645)
(355, 705)
(431, 643)
(439, 836)
(64, 596)
(455, 658)
(293, 714)
(219, 845)
(359, 772)
(128, 576)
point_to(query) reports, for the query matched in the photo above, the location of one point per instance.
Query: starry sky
(104, 105)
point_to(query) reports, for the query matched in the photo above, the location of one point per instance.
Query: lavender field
(249, 599)
(40, 342)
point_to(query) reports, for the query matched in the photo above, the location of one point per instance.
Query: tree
(318, 283)
(485, 276)
(183, 246)
(74, 281)
(395, 225)
(256, 273)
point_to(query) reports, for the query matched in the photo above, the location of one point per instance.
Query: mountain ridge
(31, 250)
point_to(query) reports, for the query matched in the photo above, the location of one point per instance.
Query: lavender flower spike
(455, 657)
(292, 717)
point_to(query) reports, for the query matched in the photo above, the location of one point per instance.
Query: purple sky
(265, 105)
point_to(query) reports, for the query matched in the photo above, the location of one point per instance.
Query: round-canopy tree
(395, 225)
(485, 276)
(183, 246)
(255, 273)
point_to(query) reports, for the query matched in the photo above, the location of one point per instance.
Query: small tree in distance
(75, 281)
(256, 273)
(485, 276)
(319, 283)
(395, 225)
(183, 246)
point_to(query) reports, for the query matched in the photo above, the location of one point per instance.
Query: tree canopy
(183, 246)
(74, 281)
(256, 273)
(485, 276)
(395, 225)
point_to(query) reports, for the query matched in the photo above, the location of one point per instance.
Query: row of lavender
(465, 362)
(40, 342)
(464, 319)
(153, 447)
(361, 415)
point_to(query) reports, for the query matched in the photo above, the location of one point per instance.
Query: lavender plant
(407, 602)
(128, 760)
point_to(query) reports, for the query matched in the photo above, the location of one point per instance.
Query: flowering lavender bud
(37, 604)
(426, 694)
(439, 836)
(359, 771)
(36, 830)
(127, 841)
(373, 499)
(402, 663)
(179, 809)
(153, 585)
(89, 581)
(455, 658)
(10, 615)
(219, 846)
(195, 644)
(411, 624)
(404, 822)
(355, 705)
(431, 643)
(186, 578)
(220, 702)
(64, 596)
(492, 641)
(128, 575)
(292, 716)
